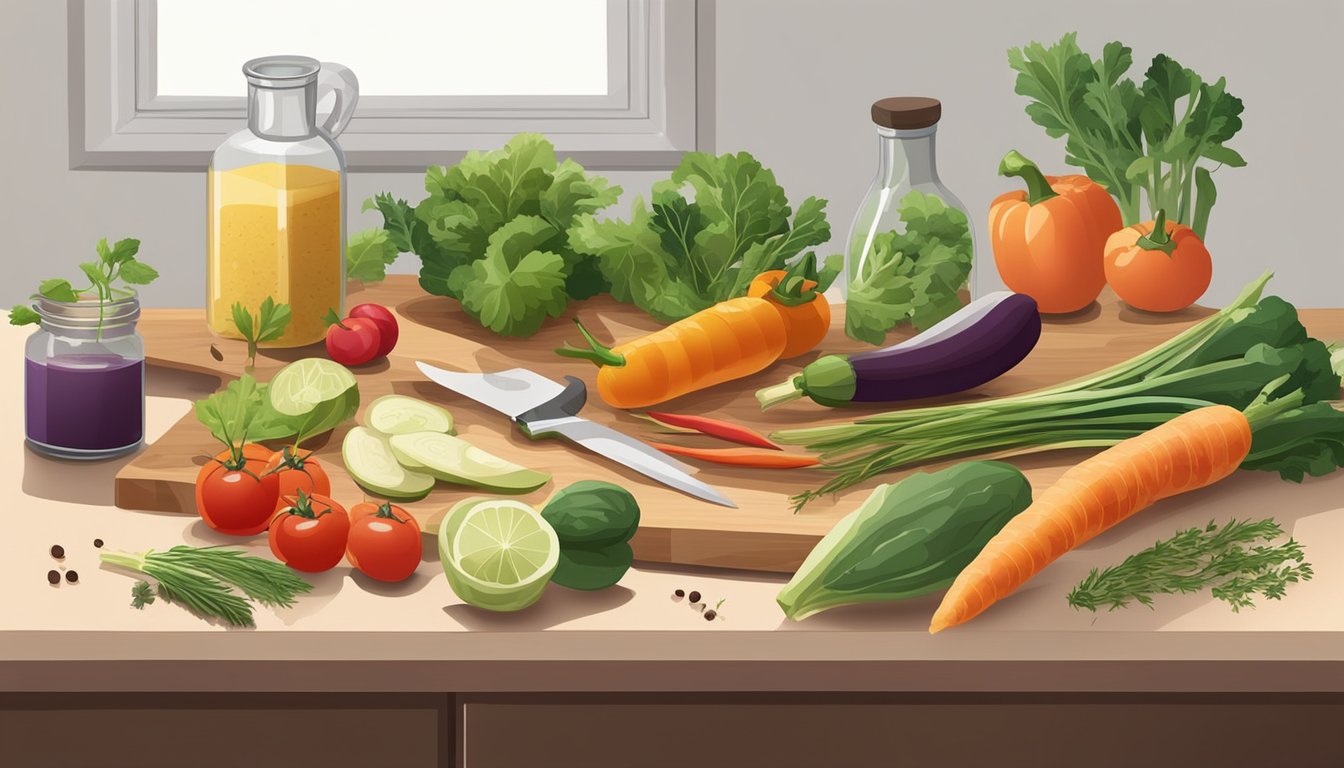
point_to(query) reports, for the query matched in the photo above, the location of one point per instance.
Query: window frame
(654, 114)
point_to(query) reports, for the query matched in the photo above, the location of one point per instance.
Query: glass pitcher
(906, 129)
(276, 200)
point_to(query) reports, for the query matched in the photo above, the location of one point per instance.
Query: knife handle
(568, 403)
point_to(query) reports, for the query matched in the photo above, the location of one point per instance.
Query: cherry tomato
(309, 532)
(353, 341)
(237, 498)
(384, 541)
(386, 322)
(298, 471)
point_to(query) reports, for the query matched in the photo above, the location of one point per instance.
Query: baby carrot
(740, 457)
(1191, 451)
(714, 428)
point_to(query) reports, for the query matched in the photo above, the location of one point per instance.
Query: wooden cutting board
(762, 534)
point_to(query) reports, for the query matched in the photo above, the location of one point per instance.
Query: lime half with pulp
(498, 554)
(305, 384)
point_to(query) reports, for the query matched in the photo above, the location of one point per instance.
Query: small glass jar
(84, 378)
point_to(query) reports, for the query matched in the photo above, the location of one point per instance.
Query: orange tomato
(1048, 240)
(1158, 274)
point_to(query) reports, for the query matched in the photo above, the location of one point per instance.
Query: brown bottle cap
(905, 113)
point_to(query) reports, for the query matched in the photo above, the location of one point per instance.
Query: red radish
(353, 341)
(386, 321)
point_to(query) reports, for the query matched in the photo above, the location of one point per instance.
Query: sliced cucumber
(369, 460)
(401, 415)
(456, 461)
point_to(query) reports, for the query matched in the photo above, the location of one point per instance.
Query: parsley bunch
(115, 263)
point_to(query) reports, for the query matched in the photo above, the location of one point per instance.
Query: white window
(611, 82)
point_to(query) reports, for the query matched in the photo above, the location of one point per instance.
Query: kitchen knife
(544, 408)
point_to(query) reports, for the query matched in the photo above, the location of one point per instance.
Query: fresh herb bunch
(1227, 560)
(267, 325)
(494, 234)
(115, 263)
(241, 413)
(680, 256)
(208, 580)
(912, 275)
(1228, 358)
(1140, 141)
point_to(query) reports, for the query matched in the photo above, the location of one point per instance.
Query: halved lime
(498, 554)
(305, 384)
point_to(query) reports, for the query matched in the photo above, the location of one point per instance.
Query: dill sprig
(1227, 560)
(203, 580)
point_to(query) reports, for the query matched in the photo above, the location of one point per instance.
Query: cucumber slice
(369, 460)
(456, 461)
(401, 415)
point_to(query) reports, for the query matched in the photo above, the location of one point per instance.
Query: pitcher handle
(339, 81)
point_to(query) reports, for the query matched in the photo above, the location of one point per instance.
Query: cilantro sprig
(267, 325)
(115, 263)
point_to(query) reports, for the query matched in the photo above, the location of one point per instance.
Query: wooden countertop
(355, 634)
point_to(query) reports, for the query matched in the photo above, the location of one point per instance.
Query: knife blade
(542, 407)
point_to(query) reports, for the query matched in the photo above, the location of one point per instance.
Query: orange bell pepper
(1158, 266)
(1049, 240)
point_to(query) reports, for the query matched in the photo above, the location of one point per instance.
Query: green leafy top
(678, 256)
(912, 275)
(1140, 142)
(521, 186)
(267, 325)
(114, 263)
(240, 413)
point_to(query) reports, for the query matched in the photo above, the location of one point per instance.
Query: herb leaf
(122, 252)
(22, 314)
(516, 286)
(137, 273)
(267, 325)
(1227, 560)
(368, 254)
(141, 595)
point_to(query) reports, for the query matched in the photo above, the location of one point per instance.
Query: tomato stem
(1159, 239)
(385, 512)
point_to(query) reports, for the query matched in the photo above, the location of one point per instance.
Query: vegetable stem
(1159, 239)
(598, 353)
(778, 394)
(1038, 188)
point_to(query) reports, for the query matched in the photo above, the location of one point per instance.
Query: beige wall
(794, 80)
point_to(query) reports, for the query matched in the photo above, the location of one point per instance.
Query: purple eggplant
(975, 345)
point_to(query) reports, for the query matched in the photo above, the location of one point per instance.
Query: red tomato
(309, 532)
(298, 471)
(386, 322)
(384, 541)
(353, 341)
(237, 499)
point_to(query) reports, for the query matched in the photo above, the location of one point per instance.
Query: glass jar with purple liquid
(84, 378)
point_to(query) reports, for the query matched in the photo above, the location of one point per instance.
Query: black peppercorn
(57, 551)
(678, 593)
(72, 576)
(98, 543)
(695, 596)
(710, 614)
(53, 577)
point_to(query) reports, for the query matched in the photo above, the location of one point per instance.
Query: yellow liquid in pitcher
(275, 230)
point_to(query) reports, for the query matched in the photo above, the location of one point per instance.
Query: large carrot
(731, 339)
(1191, 451)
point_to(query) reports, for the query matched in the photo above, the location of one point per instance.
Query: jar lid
(282, 71)
(905, 113)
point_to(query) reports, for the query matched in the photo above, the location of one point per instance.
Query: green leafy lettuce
(1153, 141)
(494, 234)
(680, 254)
(912, 275)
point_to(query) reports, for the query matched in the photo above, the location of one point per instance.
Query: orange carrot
(1191, 451)
(731, 339)
(793, 291)
(741, 457)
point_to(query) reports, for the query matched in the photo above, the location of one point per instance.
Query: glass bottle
(276, 200)
(84, 378)
(906, 129)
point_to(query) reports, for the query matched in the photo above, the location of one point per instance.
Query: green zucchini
(401, 415)
(909, 538)
(454, 460)
(369, 460)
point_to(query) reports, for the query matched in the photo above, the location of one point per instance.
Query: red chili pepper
(715, 428)
(741, 457)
